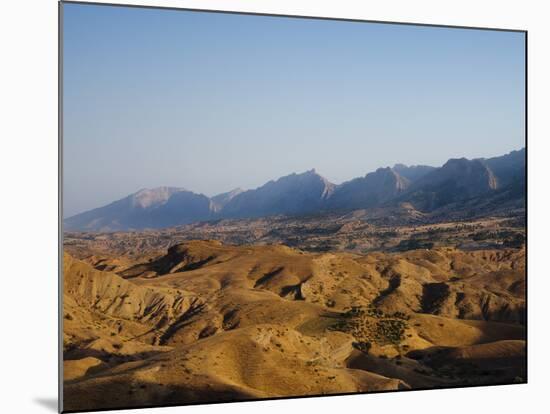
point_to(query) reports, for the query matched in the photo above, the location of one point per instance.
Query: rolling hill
(204, 321)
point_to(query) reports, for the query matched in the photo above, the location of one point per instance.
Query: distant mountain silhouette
(218, 202)
(457, 179)
(373, 189)
(412, 173)
(508, 168)
(494, 182)
(148, 208)
(292, 194)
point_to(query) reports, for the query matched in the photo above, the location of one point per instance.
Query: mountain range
(426, 188)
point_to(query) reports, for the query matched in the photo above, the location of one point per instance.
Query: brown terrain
(362, 231)
(258, 308)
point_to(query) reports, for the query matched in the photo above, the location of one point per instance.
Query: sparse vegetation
(371, 325)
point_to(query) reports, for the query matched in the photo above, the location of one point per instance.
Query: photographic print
(260, 206)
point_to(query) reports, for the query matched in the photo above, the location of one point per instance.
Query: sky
(212, 101)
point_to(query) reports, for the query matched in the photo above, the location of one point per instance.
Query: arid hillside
(205, 321)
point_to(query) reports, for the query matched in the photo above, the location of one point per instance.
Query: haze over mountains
(498, 180)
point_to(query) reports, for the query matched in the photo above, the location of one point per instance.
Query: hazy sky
(211, 101)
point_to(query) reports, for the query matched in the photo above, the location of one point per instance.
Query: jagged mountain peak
(390, 178)
(295, 193)
(151, 197)
(469, 172)
(218, 202)
(412, 172)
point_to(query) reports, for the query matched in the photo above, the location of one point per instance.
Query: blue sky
(211, 101)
